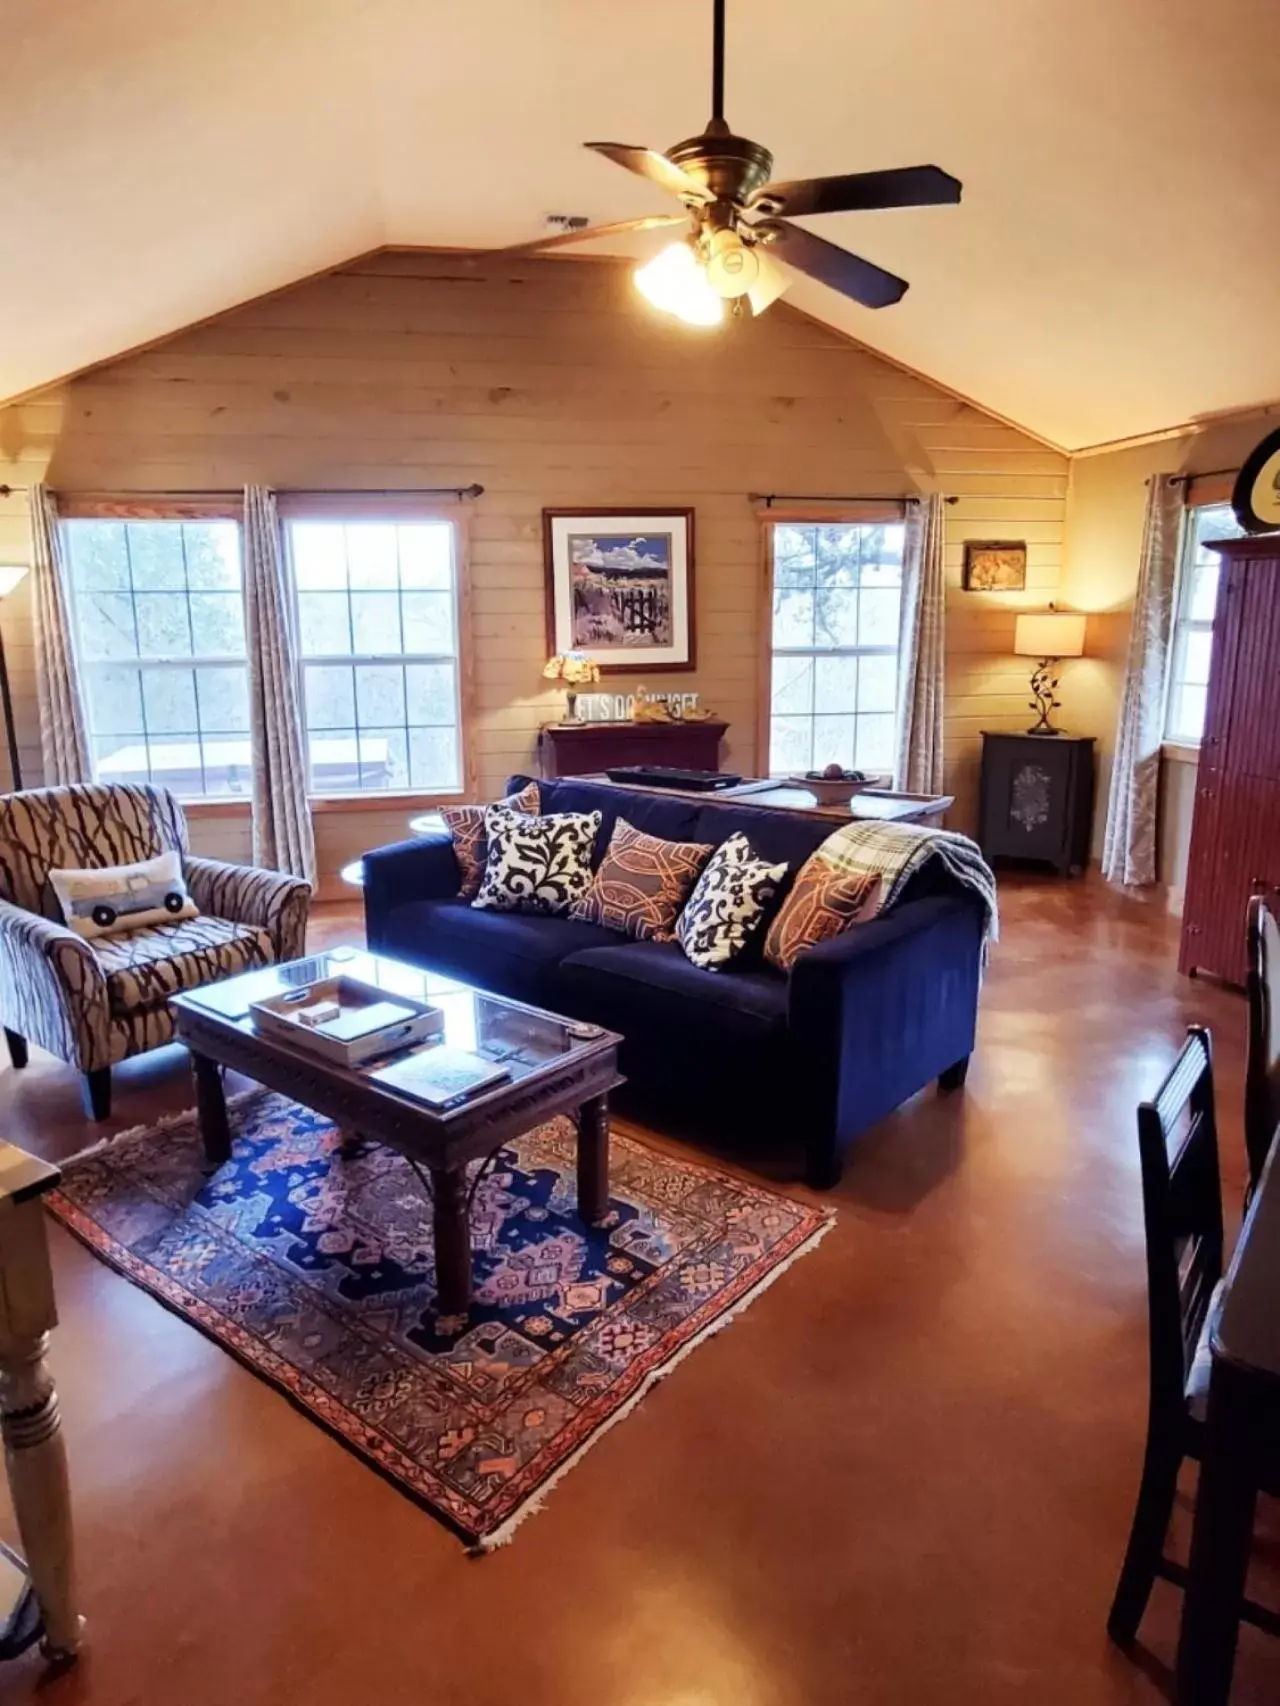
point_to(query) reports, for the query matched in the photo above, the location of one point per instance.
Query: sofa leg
(96, 1090)
(17, 1047)
(823, 1165)
(953, 1078)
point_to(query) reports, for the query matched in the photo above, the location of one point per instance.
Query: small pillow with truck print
(728, 905)
(825, 901)
(114, 898)
(537, 864)
(642, 884)
(471, 844)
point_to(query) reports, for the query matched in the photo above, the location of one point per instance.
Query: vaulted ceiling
(1114, 268)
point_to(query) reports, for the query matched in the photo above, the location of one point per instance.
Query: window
(837, 596)
(1193, 627)
(158, 608)
(378, 627)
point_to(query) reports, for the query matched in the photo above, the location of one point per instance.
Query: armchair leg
(17, 1047)
(953, 1078)
(96, 1090)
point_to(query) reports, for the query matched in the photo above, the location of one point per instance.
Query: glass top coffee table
(554, 1066)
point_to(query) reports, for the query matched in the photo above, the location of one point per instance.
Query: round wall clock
(1256, 498)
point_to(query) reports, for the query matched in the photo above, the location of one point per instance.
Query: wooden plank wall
(548, 382)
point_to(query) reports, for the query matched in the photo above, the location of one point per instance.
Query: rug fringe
(504, 1533)
(167, 1122)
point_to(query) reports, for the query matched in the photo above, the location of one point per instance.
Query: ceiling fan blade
(562, 239)
(906, 186)
(648, 163)
(862, 280)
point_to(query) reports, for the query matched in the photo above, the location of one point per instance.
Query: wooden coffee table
(557, 1067)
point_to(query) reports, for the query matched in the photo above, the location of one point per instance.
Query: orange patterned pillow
(642, 884)
(824, 902)
(471, 844)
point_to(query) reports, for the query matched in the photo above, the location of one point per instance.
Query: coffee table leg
(211, 1107)
(593, 1160)
(453, 1240)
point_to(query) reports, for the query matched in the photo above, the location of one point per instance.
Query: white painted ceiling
(1114, 268)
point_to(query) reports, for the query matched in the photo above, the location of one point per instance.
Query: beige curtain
(64, 740)
(921, 648)
(283, 838)
(1129, 852)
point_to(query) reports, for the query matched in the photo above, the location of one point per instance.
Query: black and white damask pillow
(536, 864)
(728, 905)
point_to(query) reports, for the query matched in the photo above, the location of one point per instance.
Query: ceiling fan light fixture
(732, 266)
(771, 281)
(674, 283)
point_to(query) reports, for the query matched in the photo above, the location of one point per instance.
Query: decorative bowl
(833, 791)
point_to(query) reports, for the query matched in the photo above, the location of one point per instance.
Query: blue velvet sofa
(816, 1057)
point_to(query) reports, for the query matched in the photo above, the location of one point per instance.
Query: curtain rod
(472, 491)
(768, 499)
(1186, 479)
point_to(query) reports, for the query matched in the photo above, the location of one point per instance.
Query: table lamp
(9, 578)
(1048, 635)
(576, 670)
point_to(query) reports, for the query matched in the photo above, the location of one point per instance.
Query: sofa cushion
(825, 901)
(668, 816)
(642, 884)
(145, 967)
(650, 990)
(102, 899)
(511, 953)
(536, 864)
(728, 905)
(471, 840)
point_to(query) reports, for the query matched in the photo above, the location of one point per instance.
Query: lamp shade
(10, 576)
(1049, 634)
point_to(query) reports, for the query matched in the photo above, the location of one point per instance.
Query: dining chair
(1182, 1214)
(1262, 1062)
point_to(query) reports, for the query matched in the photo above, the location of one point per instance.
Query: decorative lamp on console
(9, 578)
(1049, 636)
(576, 670)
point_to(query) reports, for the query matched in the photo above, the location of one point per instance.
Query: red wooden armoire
(1235, 834)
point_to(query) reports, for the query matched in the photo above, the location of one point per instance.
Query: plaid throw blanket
(896, 851)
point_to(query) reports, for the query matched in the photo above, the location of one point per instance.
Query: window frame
(176, 509)
(868, 514)
(347, 507)
(1179, 742)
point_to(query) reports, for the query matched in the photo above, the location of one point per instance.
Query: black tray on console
(667, 776)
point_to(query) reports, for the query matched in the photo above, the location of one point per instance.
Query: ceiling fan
(734, 213)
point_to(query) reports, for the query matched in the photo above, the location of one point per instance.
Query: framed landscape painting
(620, 586)
(995, 565)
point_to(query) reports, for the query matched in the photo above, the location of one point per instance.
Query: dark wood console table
(585, 749)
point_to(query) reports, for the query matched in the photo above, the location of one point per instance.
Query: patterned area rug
(315, 1268)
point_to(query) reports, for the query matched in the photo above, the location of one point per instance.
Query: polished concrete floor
(904, 1475)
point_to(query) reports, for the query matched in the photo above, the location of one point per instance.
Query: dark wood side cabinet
(585, 749)
(1235, 832)
(1037, 798)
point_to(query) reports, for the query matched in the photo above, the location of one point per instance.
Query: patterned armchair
(94, 1003)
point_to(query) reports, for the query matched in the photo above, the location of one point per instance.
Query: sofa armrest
(274, 901)
(425, 869)
(877, 1013)
(53, 990)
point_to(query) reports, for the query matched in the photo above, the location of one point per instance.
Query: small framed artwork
(995, 565)
(620, 586)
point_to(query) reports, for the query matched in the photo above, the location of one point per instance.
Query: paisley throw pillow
(728, 905)
(824, 902)
(536, 864)
(471, 844)
(642, 883)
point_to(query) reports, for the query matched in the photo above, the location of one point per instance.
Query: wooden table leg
(36, 1460)
(211, 1108)
(452, 1240)
(593, 1160)
(1220, 1543)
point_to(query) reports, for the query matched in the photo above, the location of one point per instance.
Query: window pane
(97, 556)
(793, 555)
(431, 692)
(375, 622)
(119, 760)
(875, 743)
(217, 624)
(155, 557)
(433, 758)
(1186, 718)
(838, 553)
(428, 622)
(169, 700)
(1202, 591)
(1195, 656)
(335, 767)
(836, 616)
(319, 554)
(792, 617)
(114, 700)
(835, 684)
(790, 745)
(384, 758)
(223, 700)
(380, 694)
(330, 696)
(880, 612)
(878, 684)
(164, 624)
(792, 685)
(833, 741)
(324, 622)
(372, 559)
(228, 764)
(176, 763)
(426, 556)
(213, 555)
(106, 627)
